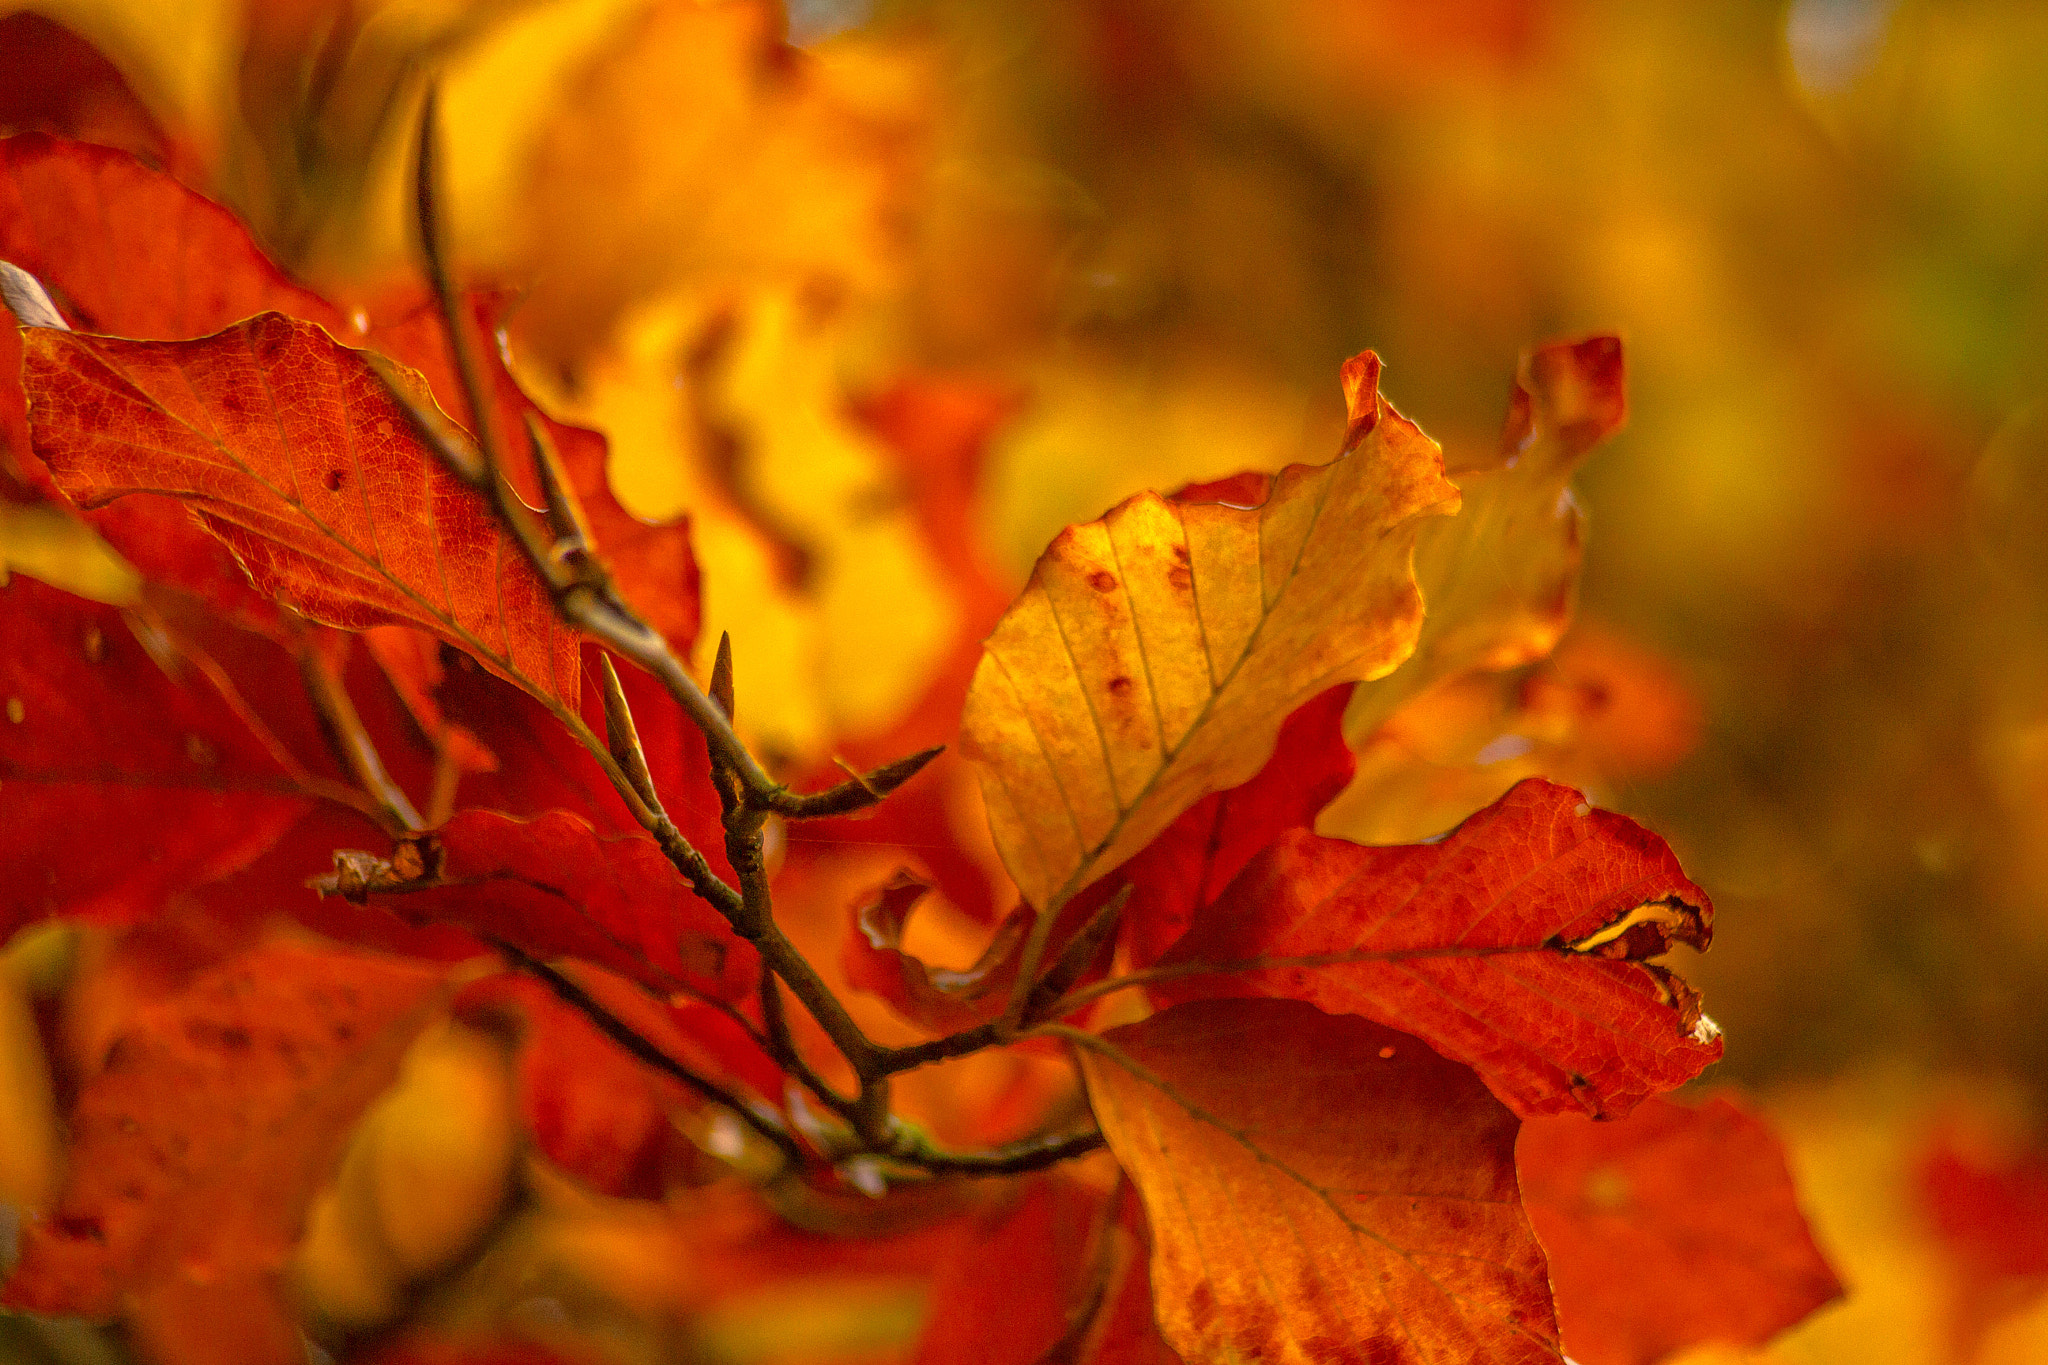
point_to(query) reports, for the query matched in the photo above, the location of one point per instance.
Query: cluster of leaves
(386, 614)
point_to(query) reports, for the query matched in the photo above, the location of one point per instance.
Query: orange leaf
(1350, 1197)
(1157, 651)
(288, 448)
(1515, 944)
(936, 999)
(197, 1147)
(1673, 1228)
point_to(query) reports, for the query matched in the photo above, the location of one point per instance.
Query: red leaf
(555, 887)
(541, 767)
(411, 660)
(290, 449)
(1512, 944)
(62, 84)
(128, 251)
(1189, 865)
(1009, 1295)
(121, 784)
(591, 1108)
(1673, 1228)
(1350, 1196)
(197, 1147)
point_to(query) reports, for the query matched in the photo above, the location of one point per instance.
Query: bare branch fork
(557, 542)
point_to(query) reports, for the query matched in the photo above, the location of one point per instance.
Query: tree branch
(754, 1116)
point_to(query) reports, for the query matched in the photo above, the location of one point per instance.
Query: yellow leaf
(1499, 577)
(1156, 651)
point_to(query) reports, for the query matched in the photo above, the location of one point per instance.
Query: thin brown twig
(586, 598)
(347, 736)
(755, 1116)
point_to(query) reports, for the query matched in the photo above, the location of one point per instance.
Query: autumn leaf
(290, 449)
(130, 768)
(542, 767)
(1500, 576)
(1009, 1295)
(199, 1143)
(553, 886)
(128, 251)
(1350, 1197)
(1197, 856)
(1675, 1227)
(936, 999)
(1156, 652)
(1600, 712)
(1517, 944)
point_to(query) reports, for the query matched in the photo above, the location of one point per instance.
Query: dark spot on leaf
(1119, 686)
(81, 1226)
(335, 479)
(1102, 580)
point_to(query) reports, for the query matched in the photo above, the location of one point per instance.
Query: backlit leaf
(1350, 1197)
(1156, 652)
(292, 452)
(1517, 944)
(1500, 576)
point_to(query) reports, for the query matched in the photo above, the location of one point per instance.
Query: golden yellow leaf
(1156, 651)
(1500, 577)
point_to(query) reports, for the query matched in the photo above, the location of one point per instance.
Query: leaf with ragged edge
(121, 783)
(1500, 576)
(553, 886)
(1156, 652)
(1350, 1197)
(1516, 944)
(291, 450)
(199, 1143)
(1673, 1228)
